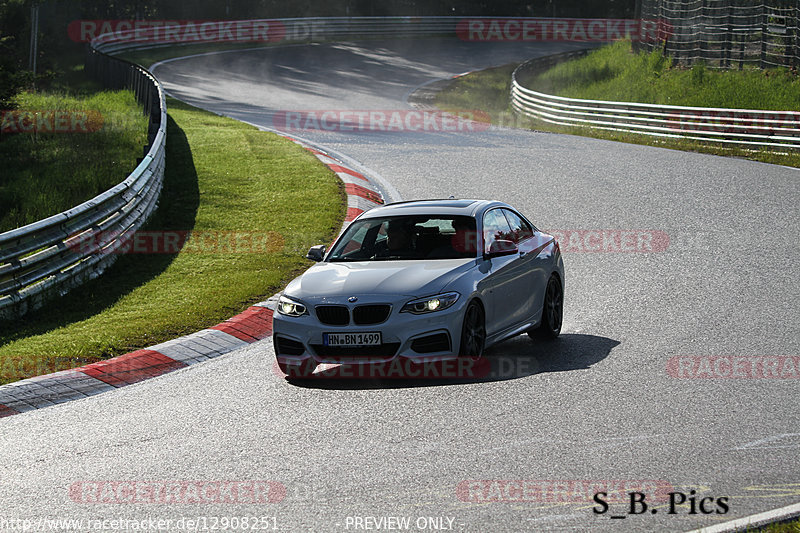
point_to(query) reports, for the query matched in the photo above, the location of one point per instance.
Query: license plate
(351, 339)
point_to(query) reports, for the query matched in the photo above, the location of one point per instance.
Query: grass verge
(784, 527)
(46, 173)
(489, 90)
(616, 73)
(222, 178)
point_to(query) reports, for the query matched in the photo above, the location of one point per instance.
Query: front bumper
(419, 338)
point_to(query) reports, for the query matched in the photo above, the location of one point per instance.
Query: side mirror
(316, 253)
(502, 247)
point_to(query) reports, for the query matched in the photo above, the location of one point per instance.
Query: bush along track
(253, 324)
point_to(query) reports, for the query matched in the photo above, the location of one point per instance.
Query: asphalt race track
(598, 408)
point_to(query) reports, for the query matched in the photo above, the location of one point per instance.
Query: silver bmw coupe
(427, 280)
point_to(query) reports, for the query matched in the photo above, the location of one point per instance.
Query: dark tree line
(13, 61)
(243, 9)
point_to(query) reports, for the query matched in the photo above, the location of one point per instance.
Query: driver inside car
(398, 241)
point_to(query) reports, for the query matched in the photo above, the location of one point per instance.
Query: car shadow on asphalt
(515, 358)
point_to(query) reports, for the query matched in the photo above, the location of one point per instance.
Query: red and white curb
(250, 326)
(362, 194)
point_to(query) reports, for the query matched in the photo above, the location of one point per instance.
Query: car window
(495, 226)
(408, 237)
(356, 240)
(359, 240)
(520, 230)
(382, 235)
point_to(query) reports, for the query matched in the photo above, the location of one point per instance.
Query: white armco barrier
(49, 257)
(774, 129)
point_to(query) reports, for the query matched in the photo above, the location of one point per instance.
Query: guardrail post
(793, 30)
(725, 61)
(682, 45)
(741, 51)
(702, 43)
(764, 33)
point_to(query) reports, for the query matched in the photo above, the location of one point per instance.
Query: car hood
(400, 278)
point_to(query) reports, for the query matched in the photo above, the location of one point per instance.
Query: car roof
(450, 206)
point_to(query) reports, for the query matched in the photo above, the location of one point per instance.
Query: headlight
(430, 304)
(290, 307)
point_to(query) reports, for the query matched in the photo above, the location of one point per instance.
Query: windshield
(408, 237)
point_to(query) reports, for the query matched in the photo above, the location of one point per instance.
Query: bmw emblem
(352, 299)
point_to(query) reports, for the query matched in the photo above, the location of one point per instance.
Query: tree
(13, 77)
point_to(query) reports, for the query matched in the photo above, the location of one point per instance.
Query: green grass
(222, 176)
(489, 89)
(615, 73)
(786, 527)
(486, 90)
(47, 173)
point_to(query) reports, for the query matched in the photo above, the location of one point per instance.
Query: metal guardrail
(49, 257)
(774, 129)
(312, 29)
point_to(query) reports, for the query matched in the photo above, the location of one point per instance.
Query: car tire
(552, 311)
(303, 370)
(473, 331)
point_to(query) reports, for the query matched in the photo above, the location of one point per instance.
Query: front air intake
(439, 342)
(370, 314)
(333, 315)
